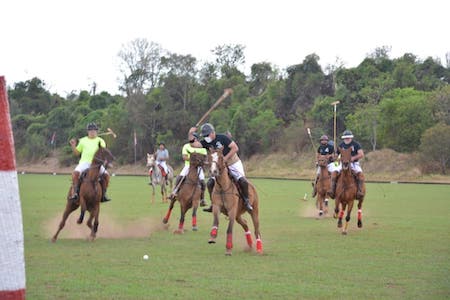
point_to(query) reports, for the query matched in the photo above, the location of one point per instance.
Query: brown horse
(323, 185)
(346, 189)
(226, 199)
(156, 178)
(90, 194)
(189, 193)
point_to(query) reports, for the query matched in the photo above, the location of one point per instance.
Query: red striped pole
(12, 262)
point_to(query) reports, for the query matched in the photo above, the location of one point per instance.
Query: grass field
(402, 252)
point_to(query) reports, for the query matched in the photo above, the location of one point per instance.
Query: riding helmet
(347, 134)
(206, 129)
(92, 126)
(324, 138)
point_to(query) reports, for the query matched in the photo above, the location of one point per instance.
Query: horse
(90, 194)
(226, 198)
(155, 177)
(346, 189)
(322, 185)
(189, 193)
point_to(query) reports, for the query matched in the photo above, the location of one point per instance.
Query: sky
(69, 44)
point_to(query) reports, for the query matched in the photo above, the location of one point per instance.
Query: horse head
(150, 160)
(103, 157)
(322, 161)
(197, 159)
(346, 156)
(217, 163)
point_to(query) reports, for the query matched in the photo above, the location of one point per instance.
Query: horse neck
(223, 179)
(193, 173)
(324, 171)
(347, 175)
(93, 172)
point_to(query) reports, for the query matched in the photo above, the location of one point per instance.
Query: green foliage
(386, 102)
(435, 147)
(405, 115)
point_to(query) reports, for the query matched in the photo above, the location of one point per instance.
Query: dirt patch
(109, 228)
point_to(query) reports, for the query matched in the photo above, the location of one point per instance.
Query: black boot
(243, 184)
(314, 193)
(332, 190)
(178, 183)
(75, 186)
(210, 186)
(202, 194)
(360, 183)
(104, 181)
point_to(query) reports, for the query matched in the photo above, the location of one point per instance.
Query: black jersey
(220, 142)
(355, 146)
(326, 150)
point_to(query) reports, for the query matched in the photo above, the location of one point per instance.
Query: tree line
(399, 103)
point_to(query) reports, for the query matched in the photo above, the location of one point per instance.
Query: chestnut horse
(323, 185)
(189, 193)
(226, 199)
(346, 189)
(155, 177)
(90, 193)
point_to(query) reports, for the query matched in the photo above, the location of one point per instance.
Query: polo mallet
(334, 131)
(226, 93)
(108, 132)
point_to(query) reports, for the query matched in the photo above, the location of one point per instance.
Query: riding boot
(315, 186)
(243, 184)
(202, 193)
(332, 190)
(360, 183)
(178, 183)
(167, 179)
(210, 186)
(75, 186)
(104, 181)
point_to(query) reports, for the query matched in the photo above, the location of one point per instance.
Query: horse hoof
(165, 221)
(359, 224)
(211, 241)
(178, 231)
(79, 221)
(339, 224)
(194, 228)
(53, 240)
(228, 253)
(344, 232)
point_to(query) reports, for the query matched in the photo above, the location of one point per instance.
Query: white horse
(155, 177)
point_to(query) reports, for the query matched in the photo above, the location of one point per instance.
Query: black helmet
(162, 143)
(206, 129)
(324, 138)
(347, 134)
(92, 126)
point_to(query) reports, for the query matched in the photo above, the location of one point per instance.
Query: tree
(364, 123)
(441, 104)
(405, 115)
(229, 58)
(141, 66)
(435, 146)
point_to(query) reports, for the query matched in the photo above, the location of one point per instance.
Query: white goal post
(12, 262)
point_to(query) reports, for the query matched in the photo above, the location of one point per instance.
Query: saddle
(163, 173)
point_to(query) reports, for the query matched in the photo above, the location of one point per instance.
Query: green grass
(402, 252)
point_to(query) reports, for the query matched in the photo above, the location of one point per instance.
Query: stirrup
(202, 202)
(74, 197)
(248, 206)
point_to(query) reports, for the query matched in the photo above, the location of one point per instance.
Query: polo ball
(145, 257)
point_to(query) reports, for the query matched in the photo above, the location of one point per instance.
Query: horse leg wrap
(214, 232)
(359, 214)
(341, 214)
(248, 236)
(229, 241)
(166, 218)
(180, 226)
(259, 247)
(194, 221)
